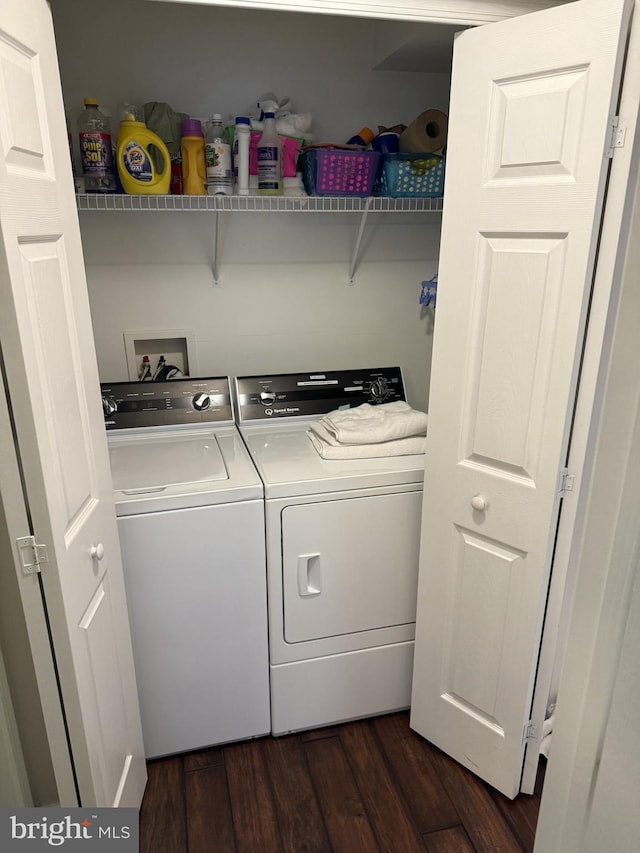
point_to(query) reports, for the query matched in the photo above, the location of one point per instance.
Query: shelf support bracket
(216, 248)
(356, 251)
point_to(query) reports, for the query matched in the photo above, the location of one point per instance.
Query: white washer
(342, 552)
(191, 522)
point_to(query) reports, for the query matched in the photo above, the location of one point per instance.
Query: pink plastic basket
(333, 171)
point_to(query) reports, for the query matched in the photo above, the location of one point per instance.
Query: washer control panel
(177, 402)
(285, 395)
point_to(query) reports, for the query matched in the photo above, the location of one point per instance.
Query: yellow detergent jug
(144, 164)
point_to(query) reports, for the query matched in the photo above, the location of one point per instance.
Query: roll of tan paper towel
(426, 133)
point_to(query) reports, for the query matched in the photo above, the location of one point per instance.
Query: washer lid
(144, 466)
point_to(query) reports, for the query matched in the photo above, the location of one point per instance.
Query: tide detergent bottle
(144, 163)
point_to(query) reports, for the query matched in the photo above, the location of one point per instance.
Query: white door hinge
(530, 733)
(567, 482)
(31, 555)
(616, 139)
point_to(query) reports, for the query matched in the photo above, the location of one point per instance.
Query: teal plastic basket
(410, 176)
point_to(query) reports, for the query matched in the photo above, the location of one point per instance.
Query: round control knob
(97, 551)
(201, 402)
(267, 398)
(109, 406)
(379, 389)
(479, 502)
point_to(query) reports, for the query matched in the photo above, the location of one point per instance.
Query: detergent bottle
(144, 164)
(194, 168)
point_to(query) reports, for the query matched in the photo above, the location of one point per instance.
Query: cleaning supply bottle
(269, 159)
(175, 186)
(96, 150)
(241, 141)
(362, 138)
(217, 153)
(194, 171)
(70, 140)
(144, 163)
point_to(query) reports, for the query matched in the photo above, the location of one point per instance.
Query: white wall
(15, 649)
(284, 303)
(590, 797)
(211, 59)
(14, 786)
(279, 306)
(615, 790)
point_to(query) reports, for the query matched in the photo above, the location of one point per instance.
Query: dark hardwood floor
(372, 785)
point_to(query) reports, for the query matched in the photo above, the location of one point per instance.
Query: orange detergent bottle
(194, 168)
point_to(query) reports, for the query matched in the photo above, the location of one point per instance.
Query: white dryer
(191, 522)
(342, 551)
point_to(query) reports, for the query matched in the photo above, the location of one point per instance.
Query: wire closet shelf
(282, 204)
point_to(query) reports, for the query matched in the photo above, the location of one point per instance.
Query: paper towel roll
(428, 132)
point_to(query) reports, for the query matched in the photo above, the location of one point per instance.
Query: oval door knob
(479, 502)
(97, 551)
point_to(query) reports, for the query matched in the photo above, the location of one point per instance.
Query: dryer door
(350, 565)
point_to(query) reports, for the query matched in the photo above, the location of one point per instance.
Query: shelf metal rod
(216, 249)
(356, 251)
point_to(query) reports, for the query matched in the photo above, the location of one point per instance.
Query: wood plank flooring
(362, 787)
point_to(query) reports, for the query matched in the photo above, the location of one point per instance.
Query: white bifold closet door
(52, 385)
(530, 122)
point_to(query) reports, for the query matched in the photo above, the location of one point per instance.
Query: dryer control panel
(286, 395)
(177, 402)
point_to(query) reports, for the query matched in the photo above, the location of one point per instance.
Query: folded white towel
(367, 424)
(324, 435)
(400, 447)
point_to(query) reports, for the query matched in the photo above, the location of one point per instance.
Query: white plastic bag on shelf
(288, 123)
